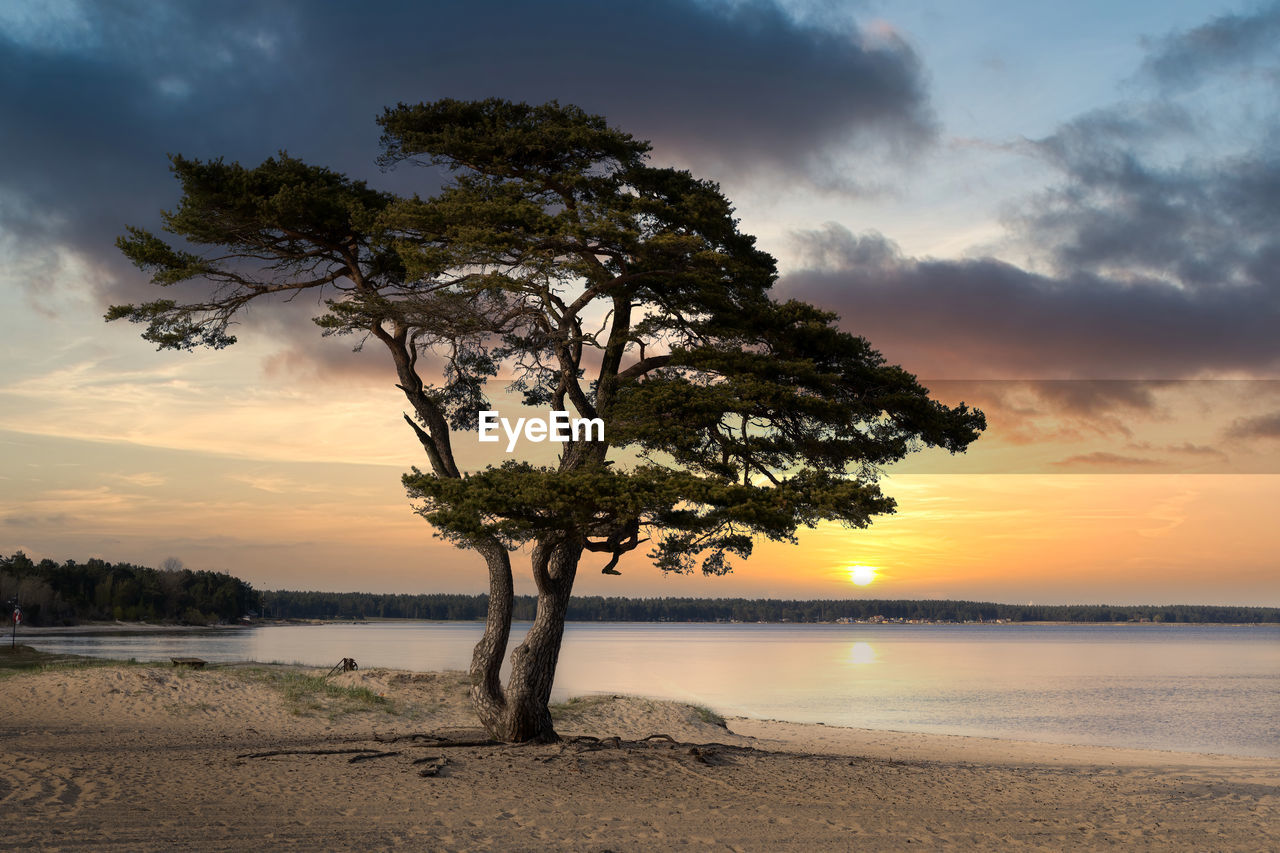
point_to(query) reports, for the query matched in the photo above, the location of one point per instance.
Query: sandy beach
(149, 757)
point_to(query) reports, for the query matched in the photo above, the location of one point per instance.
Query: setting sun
(862, 575)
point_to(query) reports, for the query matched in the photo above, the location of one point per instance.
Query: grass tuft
(709, 716)
(576, 705)
(306, 694)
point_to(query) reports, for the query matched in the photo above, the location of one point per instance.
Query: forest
(51, 593)
(358, 605)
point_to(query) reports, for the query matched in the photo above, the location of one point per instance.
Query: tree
(557, 253)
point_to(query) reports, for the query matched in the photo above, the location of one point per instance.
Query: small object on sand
(194, 663)
(346, 665)
(435, 763)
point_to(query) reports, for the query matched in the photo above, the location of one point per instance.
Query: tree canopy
(557, 257)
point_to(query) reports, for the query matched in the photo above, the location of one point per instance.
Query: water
(1181, 687)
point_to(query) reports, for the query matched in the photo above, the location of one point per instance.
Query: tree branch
(644, 365)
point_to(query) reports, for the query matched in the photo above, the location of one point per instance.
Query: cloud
(92, 113)
(96, 94)
(1104, 460)
(56, 520)
(1260, 426)
(91, 117)
(1228, 42)
(731, 86)
(144, 479)
(1156, 262)
(1035, 412)
(1061, 398)
(1185, 427)
(1196, 450)
(1154, 254)
(986, 318)
(265, 482)
(1124, 211)
(1092, 397)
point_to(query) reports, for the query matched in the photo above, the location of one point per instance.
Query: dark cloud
(94, 95)
(91, 116)
(93, 103)
(736, 85)
(1158, 246)
(1228, 42)
(1122, 211)
(1260, 426)
(984, 318)
(1091, 397)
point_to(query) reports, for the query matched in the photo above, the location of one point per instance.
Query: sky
(1065, 215)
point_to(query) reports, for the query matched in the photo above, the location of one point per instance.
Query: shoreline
(783, 735)
(841, 739)
(892, 744)
(1017, 743)
(109, 628)
(120, 629)
(146, 757)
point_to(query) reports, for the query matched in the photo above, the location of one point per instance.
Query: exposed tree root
(439, 740)
(366, 757)
(361, 754)
(655, 745)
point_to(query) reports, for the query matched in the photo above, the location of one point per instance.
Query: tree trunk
(486, 660)
(522, 714)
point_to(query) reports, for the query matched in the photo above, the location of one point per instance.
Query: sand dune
(153, 758)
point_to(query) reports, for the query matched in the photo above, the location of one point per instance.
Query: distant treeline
(51, 593)
(360, 605)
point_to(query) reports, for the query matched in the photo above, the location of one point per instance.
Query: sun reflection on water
(860, 653)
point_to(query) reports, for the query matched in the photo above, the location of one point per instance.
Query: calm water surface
(1182, 687)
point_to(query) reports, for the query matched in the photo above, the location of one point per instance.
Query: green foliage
(301, 221)
(762, 416)
(505, 139)
(556, 253)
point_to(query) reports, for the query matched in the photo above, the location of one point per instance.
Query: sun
(862, 575)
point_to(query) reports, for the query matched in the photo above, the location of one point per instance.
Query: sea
(1186, 688)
